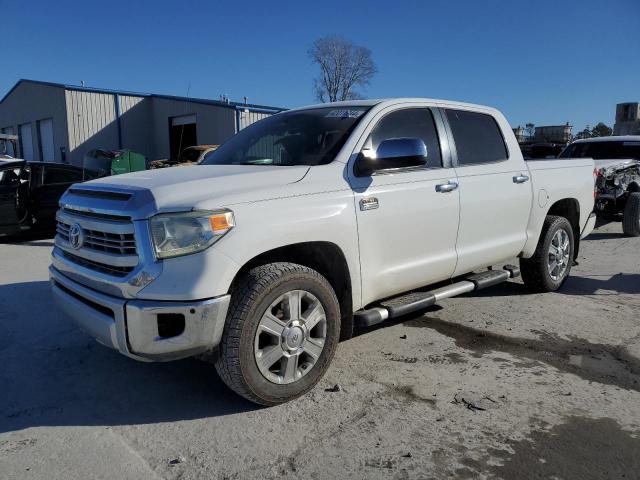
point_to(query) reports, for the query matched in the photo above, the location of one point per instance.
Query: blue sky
(544, 61)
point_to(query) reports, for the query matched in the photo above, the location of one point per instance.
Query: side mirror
(393, 153)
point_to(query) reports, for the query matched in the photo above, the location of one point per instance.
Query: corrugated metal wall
(30, 102)
(136, 124)
(91, 119)
(214, 123)
(127, 102)
(246, 117)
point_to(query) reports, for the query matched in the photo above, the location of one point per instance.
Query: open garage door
(182, 134)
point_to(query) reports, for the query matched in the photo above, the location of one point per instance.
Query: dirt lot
(499, 384)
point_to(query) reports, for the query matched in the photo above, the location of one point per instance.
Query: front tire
(280, 334)
(631, 216)
(550, 265)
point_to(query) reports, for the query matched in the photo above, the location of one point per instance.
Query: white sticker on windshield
(345, 113)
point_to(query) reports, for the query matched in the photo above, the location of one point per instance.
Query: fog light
(170, 324)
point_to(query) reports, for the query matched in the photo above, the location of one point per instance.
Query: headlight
(176, 234)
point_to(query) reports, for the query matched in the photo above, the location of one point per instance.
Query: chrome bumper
(131, 326)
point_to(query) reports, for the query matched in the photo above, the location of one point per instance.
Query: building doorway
(182, 134)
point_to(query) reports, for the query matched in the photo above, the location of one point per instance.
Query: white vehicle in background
(307, 222)
(617, 161)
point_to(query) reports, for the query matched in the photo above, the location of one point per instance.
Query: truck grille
(107, 245)
(119, 243)
(97, 266)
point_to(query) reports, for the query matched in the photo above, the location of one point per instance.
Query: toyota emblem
(76, 236)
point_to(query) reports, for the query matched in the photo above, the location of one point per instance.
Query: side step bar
(414, 301)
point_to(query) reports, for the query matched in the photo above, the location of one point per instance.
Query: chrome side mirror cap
(391, 154)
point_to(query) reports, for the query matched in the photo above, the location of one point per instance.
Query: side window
(477, 136)
(61, 175)
(411, 123)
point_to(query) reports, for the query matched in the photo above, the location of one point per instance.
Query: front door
(495, 194)
(407, 229)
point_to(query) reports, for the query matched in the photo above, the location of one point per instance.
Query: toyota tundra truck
(307, 224)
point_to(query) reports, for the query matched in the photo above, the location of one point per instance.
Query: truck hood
(184, 188)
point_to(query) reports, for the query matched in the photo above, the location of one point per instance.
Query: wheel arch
(326, 258)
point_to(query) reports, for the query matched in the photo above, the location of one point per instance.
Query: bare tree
(343, 65)
(530, 128)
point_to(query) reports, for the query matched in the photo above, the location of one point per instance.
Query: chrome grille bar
(108, 246)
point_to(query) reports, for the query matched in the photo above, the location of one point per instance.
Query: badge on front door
(368, 203)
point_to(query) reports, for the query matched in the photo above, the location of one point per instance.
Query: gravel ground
(497, 384)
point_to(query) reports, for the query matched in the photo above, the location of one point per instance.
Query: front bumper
(132, 326)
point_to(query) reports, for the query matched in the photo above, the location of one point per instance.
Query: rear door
(495, 191)
(407, 229)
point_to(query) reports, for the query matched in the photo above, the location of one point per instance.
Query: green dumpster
(101, 163)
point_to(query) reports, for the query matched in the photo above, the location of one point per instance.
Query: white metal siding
(127, 102)
(246, 117)
(92, 123)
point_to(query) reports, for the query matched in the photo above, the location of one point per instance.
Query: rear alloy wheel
(280, 334)
(559, 255)
(550, 265)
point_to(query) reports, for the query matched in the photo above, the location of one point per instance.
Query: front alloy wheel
(290, 337)
(281, 332)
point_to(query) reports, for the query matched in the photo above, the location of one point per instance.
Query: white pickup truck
(310, 221)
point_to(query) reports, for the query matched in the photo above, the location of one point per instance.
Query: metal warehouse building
(61, 123)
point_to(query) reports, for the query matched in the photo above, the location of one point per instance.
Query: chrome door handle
(520, 179)
(446, 187)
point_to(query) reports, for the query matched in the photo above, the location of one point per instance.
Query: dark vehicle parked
(29, 193)
(544, 150)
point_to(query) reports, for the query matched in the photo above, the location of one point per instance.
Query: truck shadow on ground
(53, 374)
(594, 362)
(627, 283)
(605, 236)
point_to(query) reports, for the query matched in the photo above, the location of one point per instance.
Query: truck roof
(393, 101)
(612, 138)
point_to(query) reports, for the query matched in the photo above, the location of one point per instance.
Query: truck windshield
(304, 137)
(603, 150)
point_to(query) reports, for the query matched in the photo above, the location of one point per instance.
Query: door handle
(520, 178)
(446, 187)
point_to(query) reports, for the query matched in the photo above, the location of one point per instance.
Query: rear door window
(53, 175)
(477, 137)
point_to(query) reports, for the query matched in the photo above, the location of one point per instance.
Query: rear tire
(631, 216)
(550, 265)
(280, 334)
